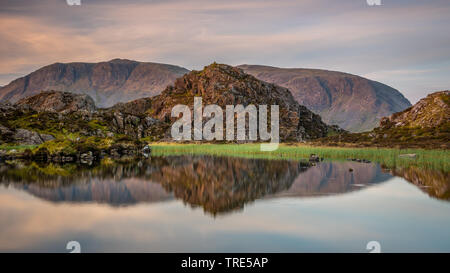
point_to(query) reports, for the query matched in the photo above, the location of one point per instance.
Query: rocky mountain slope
(354, 103)
(430, 112)
(107, 83)
(226, 85)
(66, 116)
(426, 124)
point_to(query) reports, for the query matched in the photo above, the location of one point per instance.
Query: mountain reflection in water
(217, 184)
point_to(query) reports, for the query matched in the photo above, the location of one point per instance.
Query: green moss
(97, 125)
(65, 146)
(69, 126)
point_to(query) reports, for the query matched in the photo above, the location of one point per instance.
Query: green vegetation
(402, 137)
(17, 147)
(71, 126)
(72, 147)
(431, 159)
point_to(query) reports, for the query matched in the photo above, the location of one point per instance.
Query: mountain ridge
(62, 114)
(350, 101)
(117, 80)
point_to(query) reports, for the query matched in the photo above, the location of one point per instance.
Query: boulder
(27, 137)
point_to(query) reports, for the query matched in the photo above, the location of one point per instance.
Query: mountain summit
(118, 80)
(354, 103)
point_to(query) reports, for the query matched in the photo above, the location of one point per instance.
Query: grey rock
(314, 158)
(26, 137)
(60, 102)
(46, 137)
(4, 130)
(146, 151)
(150, 121)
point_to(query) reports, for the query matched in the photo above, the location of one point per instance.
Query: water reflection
(217, 184)
(433, 182)
(138, 206)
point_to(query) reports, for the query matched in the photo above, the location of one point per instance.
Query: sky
(405, 44)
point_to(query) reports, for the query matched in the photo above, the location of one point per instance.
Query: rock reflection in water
(217, 184)
(433, 182)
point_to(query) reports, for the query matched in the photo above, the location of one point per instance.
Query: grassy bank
(433, 159)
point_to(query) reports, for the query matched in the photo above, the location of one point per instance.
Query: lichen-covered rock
(27, 137)
(60, 102)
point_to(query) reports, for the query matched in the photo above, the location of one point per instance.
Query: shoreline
(429, 158)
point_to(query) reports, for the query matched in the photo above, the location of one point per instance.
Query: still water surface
(223, 204)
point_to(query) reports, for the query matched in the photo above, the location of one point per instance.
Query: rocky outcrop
(430, 112)
(20, 136)
(27, 137)
(107, 83)
(23, 136)
(223, 85)
(134, 121)
(424, 125)
(354, 103)
(60, 102)
(218, 84)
